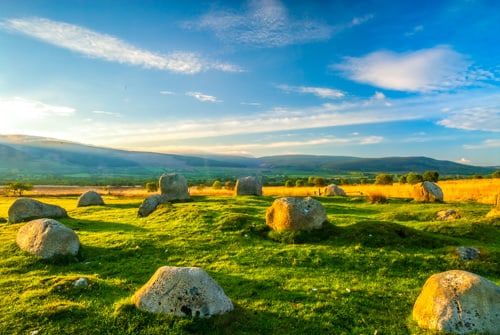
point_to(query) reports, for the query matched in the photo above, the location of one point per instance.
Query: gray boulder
(467, 253)
(182, 291)
(149, 204)
(334, 190)
(173, 187)
(47, 238)
(428, 192)
(248, 186)
(25, 209)
(90, 198)
(288, 214)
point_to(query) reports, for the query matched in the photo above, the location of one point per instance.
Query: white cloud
(415, 30)
(167, 93)
(379, 96)
(21, 108)
(476, 118)
(267, 23)
(203, 97)
(107, 113)
(96, 45)
(435, 69)
(486, 144)
(464, 160)
(322, 92)
(250, 103)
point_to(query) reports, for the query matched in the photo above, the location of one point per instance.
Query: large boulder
(90, 198)
(248, 186)
(332, 190)
(25, 209)
(47, 238)
(174, 187)
(182, 291)
(149, 204)
(295, 214)
(427, 192)
(459, 302)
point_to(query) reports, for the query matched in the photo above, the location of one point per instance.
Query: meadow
(359, 275)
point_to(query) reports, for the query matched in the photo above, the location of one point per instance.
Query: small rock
(447, 215)
(467, 253)
(81, 282)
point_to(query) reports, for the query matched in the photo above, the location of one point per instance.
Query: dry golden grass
(480, 190)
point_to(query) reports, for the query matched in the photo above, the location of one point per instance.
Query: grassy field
(360, 275)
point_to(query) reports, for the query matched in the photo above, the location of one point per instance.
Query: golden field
(480, 190)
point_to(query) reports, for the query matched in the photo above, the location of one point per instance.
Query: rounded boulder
(295, 214)
(174, 187)
(458, 302)
(334, 190)
(182, 291)
(428, 192)
(25, 209)
(248, 186)
(47, 238)
(90, 198)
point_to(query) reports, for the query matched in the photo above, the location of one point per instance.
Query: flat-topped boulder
(173, 187)
(427, 192)
(458, 302)
(90, 198)
(248, 186)
(334, 190)
(289, 213)
(47, 238)
(25, 209)
(182, 291)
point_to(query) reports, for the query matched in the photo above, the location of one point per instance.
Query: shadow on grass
(99, 226)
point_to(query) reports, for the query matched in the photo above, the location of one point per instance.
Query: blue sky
(371, 79)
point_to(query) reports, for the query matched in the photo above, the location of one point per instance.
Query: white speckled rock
(90, 198)
(173, 187)
(459, 302)
(25, 209)
(182, 291)
(47, 238)
(248, 186)
(427, 192)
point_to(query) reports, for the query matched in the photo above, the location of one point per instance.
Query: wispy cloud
(322, 92)
(107, 113)
(250, 103)
(18, 107)
(435, 69)
(102, 46)
(414, 31)
(464, 160)
(490, 143)
(203, 97)
(267, 23)
(167, 93)
(476, 118)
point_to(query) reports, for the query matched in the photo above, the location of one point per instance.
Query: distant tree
(477, 176)
(384, 179)
(18, 188)
(151, 187)
(289, 183)
(431, 176)
(496, 174)
(229, 185)
(402, 179)
(310, 180)
(344, 181)
(319, 181)
(217, 185)
(414, 178)
(299, 183)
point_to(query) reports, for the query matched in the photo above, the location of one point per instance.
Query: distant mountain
(37, 156)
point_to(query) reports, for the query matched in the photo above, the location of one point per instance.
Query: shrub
(299, 183)
(496, 174)
(319, 181)
(151, 187)
(289, 183)
(384, 179)
(310, 180)
(402, 179)
(431, 176)
(377, 198)
(414, 178)
(216, 185)
(229, 185)
(17, 188)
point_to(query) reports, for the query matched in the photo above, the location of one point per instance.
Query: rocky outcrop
(25, 209)
(290, 213)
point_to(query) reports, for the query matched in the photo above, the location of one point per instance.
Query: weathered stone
(295, 214)
(149, 204)
(427, 192)
(448, 215)
(47, 238)
(332, 190)
(467, 253)
(173, 187)
(182, 291)
(81, 282)
(458, 302)
(25, 209)
(90, 198)
(248, 186)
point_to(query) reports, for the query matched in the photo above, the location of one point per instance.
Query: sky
(256, 78)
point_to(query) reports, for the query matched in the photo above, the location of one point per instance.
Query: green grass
(360, 275)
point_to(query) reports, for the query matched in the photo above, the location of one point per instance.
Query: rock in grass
(332, 190)
(81, 282)
(427, 192)
(173, 187)
(182, 291)
(289, 214)
(248, 186)
(467, 253)
(25, 209)
(47, 238)
(90, 198)
(459, 302)
(448, 215)
(149, 205)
